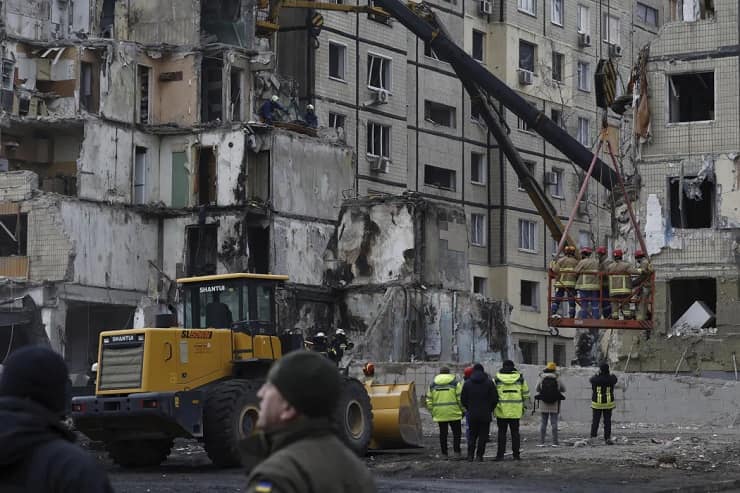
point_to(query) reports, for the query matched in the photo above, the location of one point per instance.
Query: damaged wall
(27, 19)
(298, 248)
(176, 22)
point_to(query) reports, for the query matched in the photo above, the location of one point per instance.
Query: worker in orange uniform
(565, 281)
(588, 284)
(620, 285)
(643, 280)
(604, 263)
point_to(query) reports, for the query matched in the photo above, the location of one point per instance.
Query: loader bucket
(396, 419)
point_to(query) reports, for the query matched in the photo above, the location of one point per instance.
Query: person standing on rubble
(479, 398)
(296, 404)
(604, 263)
(643, 281)
(588, 284)
(549, 394)
(565, 281)
(310, 117)
(443, 401)
(269, 109)
(602, 402)
(620, 285)
(513, 399)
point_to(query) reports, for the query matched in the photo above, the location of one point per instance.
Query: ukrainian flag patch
(263, 487)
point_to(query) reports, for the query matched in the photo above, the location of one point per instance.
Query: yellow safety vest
(513, 392)
(443, 398)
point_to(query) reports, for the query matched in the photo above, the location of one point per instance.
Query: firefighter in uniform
(602, 401)
(588, 284)
(513, 398)
(620, 285)
(565, 282)
(604, 263)
(643, 280)
(443, 401)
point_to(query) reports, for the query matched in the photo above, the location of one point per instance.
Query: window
(8, 70)
(646, 14)
(477, 168)
(556, 12)
(531, 166)
(140, 175)
(528, 6)
(478, 229)
(584, 131)
(556, 182)
(584, 19)
(558, 61)
(378, 72)
(439, 114)
(557, 117)
(17, 225)
(336, 120)
(235, 97)
(337, 60)
(144, 92)
(87, 87)
(523, 125)
(679, 12)
(429, 52)
(526, 55)
(584, 239)
(584, 76)
(479, 42)
(439, 177)
(610, 28)
(528, 235)
(558, 354)
(683, 293)
(691, 200)
(378, 140)
(475, 114)
(528, 297)
(691, 97)
(529, 352)
(479, 285)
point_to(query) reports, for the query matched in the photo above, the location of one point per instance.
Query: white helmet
(309, 107)
(320, 334)
(275, 98)
(340, 332)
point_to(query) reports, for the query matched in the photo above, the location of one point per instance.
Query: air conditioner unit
(485, 7)
(381, 96)
(584, 39)
(380, 164)
(551, 178)
(615, 51)
(526, 77)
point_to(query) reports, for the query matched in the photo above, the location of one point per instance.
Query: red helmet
(368, 369)
(586, 251)
(601, 250)
(639, 253)
(467, 372)
(617, 253)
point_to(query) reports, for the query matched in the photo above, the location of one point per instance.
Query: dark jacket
(306, 456)
(311, 119)
(602, 391)
(37, 453)
(479, 397)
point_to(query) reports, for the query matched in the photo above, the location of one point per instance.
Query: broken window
(211, 89)
(583, 74)
(337, 60)
(140, 175)
(221, 22)
(235, 98)
(528, 235)
(202, 249)
(529, 352)
(691, 97)
(522, 124)
(336, 120)
(378, 72)
(646, 14)
(526, 55)
(691, 10)
(378, 140)
(558, 354)
(685, 292)
(13, 233)
(144, 93)
(107, 18)
(558, 61)
(258, 240)
(439, 177)
(429, 52)
(479, 43)
(479, 285)
(475, 114)
(477, 168)
(8, 74)
(206, 183)
(439, 114)
(611, 26)
(692, 201)
(531, 166)
(88, 87)
(478, 229)
(529, 294)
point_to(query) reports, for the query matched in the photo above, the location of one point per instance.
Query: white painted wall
(298, 249)
(229, 158)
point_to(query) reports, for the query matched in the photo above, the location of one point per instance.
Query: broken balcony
(227, 22)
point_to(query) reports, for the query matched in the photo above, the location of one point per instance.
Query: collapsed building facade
(130, 157)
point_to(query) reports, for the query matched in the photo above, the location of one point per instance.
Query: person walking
(565, 281)
(479, 398)
(513, 399)
(37, 451)
(443, 401)
(296, 404)
(588, 284)
(602, 401)
(549, 394)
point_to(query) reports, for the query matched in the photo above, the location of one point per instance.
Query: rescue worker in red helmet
(643, 280)
(565, 281)
(588, 284)
(604, 262)
(620, 285)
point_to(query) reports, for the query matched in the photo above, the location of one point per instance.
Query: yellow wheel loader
(201, 380)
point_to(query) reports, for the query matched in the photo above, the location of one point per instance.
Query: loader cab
(242, 302)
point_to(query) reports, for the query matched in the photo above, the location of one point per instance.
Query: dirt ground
(644, 458)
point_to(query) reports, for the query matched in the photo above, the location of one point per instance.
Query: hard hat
(309, 107)
(639, 253)
(368, 369)
(275, 98)
(586, 251)
(468, 371)
(570, 249)
(340, 332)
(601, 250)
(320, 334)
(617, 253)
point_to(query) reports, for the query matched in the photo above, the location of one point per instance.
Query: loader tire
(229, 416)
(353, 416)
(139, 453)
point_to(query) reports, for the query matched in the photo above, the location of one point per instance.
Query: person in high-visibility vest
(443, 401)
(620, 285)
(604, 263)
(602, 401)
(565, 282)
(588, 284)
(513, 399)
(646, 269)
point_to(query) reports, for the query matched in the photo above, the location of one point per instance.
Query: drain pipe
(734, 363)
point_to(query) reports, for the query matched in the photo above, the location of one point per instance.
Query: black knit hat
(39, 374)
(308, 381)
(508, 365)
(604, 367)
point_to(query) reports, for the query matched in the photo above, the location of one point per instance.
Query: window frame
(478, 235)
(670, 98)
(389, 76)
(525, 43)
(606, 27)
(482, 282)
(557, 188)
(647, 8)
(332, 119)
(583, 78)
(553, 3)
(370, 130)
(534, 287)
(580, 10)
(521, 7)
(482, 37)
(482, 175)
(343, 47)
(452, 174)
(585, 140)
(531, 234)
(139, 176)
(532, 167)
(430, 106)
(560, 57)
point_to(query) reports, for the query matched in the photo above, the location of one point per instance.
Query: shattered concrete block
(696, 317)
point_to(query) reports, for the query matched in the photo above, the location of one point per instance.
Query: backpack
(550, 391)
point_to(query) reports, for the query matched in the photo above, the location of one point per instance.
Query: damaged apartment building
(131, 156)
(689, 165)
